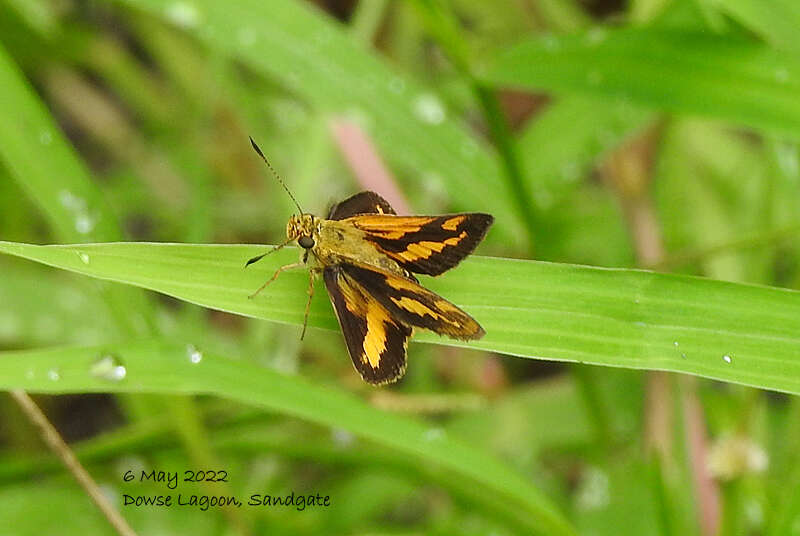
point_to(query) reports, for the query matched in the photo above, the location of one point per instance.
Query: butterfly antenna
(273, 250)
(274, 173)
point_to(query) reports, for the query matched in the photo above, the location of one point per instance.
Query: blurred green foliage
(652, 133)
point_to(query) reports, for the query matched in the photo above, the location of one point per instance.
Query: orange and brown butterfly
(366, 255)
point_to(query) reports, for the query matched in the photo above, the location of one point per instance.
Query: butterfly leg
(311, 275)
(275, 276)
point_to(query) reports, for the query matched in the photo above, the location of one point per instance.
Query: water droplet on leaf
(433, 434)
(551, 43)
(183, 14)
(594, 77)
(195, 355)
(108, 367)
(342, 437)
(84, 223)
(71, 201)
(397, 85)
(429, 108)
(9, 325)
(246, 36)
(595, 36)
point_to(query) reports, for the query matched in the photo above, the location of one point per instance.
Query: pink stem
(364, 160)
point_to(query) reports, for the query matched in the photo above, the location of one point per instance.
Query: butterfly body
(367, 256)
(336, 241)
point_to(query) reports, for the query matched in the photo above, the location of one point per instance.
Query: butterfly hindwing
(424, 244)
(375, 340)
(412, 304)
(361, 203)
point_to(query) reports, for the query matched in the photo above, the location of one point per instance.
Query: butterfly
(367, 256)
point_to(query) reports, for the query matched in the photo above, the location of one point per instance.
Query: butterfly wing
(361, 203)
(412, 304)
(375, 340)
(424, 244)
(377, 309)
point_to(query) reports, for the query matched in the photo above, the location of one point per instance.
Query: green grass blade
(165, 367)
(560, 144)
(315, 57)
(682, 72)
(778, 25)
(45, 165)
(40, 159)
(625, 318)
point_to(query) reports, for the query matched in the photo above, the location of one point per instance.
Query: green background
(643, 152)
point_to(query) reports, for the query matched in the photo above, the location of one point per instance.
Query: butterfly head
(301, 228)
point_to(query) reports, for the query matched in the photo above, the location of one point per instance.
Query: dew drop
(595, 36)
(433, 434)
(732, 456)
(323, 37)
(195, 355)
(754, 513)
(544, 198)
(292, 77)
(110, 493)
(29, 374)
(70, 299)
(570, 171)
(469, 149)
(9, 325)
(246, 36)
(71, 201)
(551, 43)
(676, 344)
(594, 77)
(429, 108)
(47, 326)
(45, 137)
(54, 374)
(606, 138)
(108, 367)
(782, 75)
(84, 257)
(593, 491)
(359, 116)
(342, 437)
(89, 335)
(787, 156)
(84, 223)
(369, 82)
(727, 358)
(183, 14)
(397, 85)
(130, 462)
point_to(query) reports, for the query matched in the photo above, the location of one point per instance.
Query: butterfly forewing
(424, 244)
(360, 203)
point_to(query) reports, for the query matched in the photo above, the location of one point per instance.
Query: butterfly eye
(306, 242)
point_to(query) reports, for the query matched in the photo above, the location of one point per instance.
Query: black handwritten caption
(172, 479)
